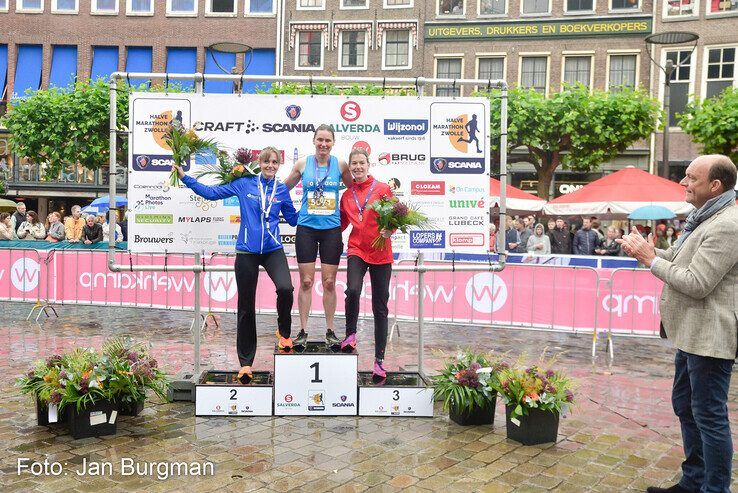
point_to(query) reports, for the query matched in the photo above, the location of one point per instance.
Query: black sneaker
(331, 340)
(300, 339)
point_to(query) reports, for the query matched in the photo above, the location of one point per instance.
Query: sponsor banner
(418, 146)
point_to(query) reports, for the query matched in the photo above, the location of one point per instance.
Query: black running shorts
(309, 241)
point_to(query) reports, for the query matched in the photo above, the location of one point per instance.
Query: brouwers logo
(466, 239)
(293, 112)
(221, 286)
(427, 188)
(24, 274)
(486, 292)
(350, 111)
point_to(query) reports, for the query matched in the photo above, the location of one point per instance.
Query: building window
(491, 68)
(30, 5)
(533, 73)
(625, 5)
(355, 4)
(450, 7)
(720, 70)
(310, 50)
(140, 6)
(680, 8)
(448, 68)
(622, 71)
(579, 5)
(259, 7)
(535, 6)
(225, 7)
(492, 7)
(66, 6)
(722, 6)
(3, 5)
(396, 48)
(353, 49)
(104, 6)
(182, 7)
(680, 82)
(310, 4)
(577, 69)
(398, 3)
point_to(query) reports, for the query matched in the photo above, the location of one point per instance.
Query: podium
(219, 393)
(315, 382)
(404, 394)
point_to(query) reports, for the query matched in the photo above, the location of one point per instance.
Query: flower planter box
(131, 408)
(536, 427)
(42, 415)
(96, 420)
(477, 416)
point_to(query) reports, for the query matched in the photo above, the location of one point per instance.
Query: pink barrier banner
(539, 296)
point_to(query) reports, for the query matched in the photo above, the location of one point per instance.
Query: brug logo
(386, 158)
(24, 274)
(486, 292)
(350, 111)
(293, 112)
(220, 286)
(156, 162)
(455, 165)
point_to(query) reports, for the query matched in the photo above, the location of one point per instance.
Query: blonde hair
(267, 152)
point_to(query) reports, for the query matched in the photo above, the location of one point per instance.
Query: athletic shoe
(331, 339)
(301, 339)
(245, 375)
(379, 371)
(349, 344)
(283, 344)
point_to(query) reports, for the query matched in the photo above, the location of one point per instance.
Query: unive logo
(466, 203)
(486, 292)
(293, 112)
(221, 286)
(405, 127)
(154, 219)
(427, 239)
(350, 111)
(24, 274)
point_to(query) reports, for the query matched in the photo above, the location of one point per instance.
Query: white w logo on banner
(220, 285)
(486, 292)
(24, 274)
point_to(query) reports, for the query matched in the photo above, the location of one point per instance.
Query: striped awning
(294, 28)
(350, 26)
(384, 25)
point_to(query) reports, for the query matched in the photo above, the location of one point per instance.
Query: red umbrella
(621, 193)
(516, 200)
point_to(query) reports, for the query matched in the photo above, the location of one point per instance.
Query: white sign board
(237, 400)
(433, 152)
(315, 384)
(396, 401)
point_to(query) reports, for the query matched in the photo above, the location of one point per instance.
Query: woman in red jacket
(362, 256)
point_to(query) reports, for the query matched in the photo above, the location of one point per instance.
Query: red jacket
(364, 232)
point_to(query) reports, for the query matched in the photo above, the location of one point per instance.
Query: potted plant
(43, 383)
(466, 385)
(132, 370)
(534, 399)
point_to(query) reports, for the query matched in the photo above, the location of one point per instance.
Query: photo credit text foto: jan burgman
(125, 467)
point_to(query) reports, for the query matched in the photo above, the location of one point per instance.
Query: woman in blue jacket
(262, 198)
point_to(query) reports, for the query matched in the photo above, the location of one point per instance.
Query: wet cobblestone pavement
(622, 435)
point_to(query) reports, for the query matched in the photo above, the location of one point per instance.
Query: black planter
(477, 416)
(537, 427)
(42, 415)
(131, 408)
(81, 425)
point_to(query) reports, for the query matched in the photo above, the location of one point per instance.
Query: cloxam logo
(427, 188)
(486, 292)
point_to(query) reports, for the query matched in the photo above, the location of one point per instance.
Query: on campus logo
(456, 165)
(405, 127)
(466, 239)
(24, 274)
(427, 188)
(453, 189)
(156, 162)
(154, 219)
(427, 239)
(486, 292)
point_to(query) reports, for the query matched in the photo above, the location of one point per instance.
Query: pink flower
(400, 210)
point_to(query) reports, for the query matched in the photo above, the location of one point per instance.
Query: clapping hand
(634, 245)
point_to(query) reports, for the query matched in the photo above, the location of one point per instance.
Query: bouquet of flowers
(532, 387)
(184, 144)
(133, 370)
(43, 380)
(229, 168)
(393, 214)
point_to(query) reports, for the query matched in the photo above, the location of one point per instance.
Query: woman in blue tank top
(319, 227)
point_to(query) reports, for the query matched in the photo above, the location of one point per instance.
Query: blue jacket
(585, 242)
(253, 236)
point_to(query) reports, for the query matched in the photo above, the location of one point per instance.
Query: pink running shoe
(379, 370)
(349, 344)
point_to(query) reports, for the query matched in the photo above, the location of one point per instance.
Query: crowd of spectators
(75, 228)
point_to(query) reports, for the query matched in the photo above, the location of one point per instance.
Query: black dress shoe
(672, 489)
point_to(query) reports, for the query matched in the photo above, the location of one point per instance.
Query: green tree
(574, 129)
(331, 89)
(713, 123)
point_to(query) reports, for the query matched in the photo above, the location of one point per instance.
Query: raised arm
(295, 174)
(346, 176)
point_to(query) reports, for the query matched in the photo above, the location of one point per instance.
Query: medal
(263, 200)
(366, 200)
(320, 184)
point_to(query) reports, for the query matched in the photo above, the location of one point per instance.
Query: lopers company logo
(220, 286)
(486, 292)
(466, 203)
(466, 221)
(227, 240)
(427, 188)
(466, 239)
(457, 165)
(153, 219)
(293, 112)
(156, 162)
(350, 111)
(427, 239)
(24, 274)
(405, 127)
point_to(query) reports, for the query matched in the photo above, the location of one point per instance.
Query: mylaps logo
(466, 239)
(350, 111)
(427, 188)
(293, 112)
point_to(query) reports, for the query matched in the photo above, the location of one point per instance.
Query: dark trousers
(700, 400)
(380, 276)
(247, 275)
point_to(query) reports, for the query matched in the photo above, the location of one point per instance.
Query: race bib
(322, 206)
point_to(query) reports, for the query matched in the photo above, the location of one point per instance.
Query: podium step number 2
(219, 393)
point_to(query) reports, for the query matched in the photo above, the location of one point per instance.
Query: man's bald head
(723, 169)
(707, 177)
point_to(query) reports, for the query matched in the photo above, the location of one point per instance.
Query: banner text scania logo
(405, 127)
(453, 165)
(293, 112)
(156, 162)
(427, 188)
